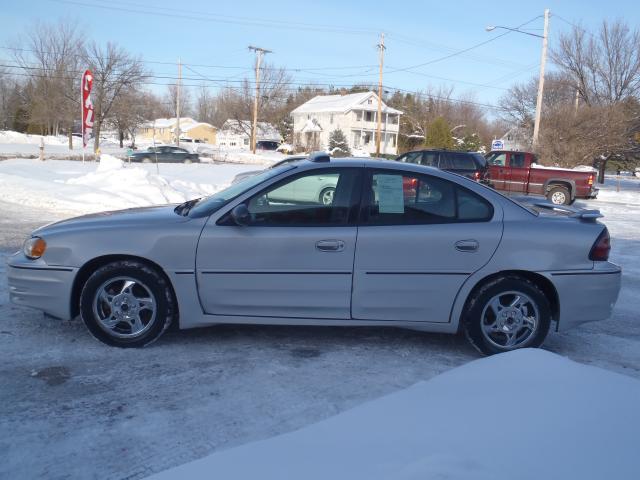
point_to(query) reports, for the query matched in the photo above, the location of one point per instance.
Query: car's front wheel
(127, 304)
(506, 314)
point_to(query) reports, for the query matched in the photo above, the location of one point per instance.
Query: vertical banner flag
(87, 107)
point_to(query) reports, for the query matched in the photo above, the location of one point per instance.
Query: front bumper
(33, 283)
(587, 296)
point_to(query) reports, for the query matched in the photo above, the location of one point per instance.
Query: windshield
(212, 203)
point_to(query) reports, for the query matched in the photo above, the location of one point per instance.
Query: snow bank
(109, 162)
(11, 137)
(73, 187)
(528, 414)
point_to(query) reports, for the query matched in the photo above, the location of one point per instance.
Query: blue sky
(333, 42)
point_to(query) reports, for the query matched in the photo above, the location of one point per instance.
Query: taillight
(590, 181)
(600, 250)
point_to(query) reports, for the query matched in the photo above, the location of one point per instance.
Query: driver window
(498, 159)
(312, 199)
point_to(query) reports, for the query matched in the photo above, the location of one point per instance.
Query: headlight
(34, 247)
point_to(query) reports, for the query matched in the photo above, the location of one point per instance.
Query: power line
(200, 65)
(209, 17)
(459, 52)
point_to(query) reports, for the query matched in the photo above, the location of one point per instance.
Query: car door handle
(467, 245)
(330, 245)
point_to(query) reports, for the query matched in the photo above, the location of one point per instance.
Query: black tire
(146, 160)
(322, 197)
(479, 301)
(559, 195)
(150, 279)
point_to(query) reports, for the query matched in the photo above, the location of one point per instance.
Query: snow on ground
(71, 407)
(528, 414)
(75, 188)
(16, 144)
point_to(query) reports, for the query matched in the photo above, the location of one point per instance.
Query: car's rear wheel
(127, 304)
(188, 160)
(506, 314)
(146, 160)
(559, 196)
(326, 196)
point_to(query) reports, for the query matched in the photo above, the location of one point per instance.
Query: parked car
(243, 175)
(452, 255)
(519, 172)
(469, 164)
(267, 145)
(164, 153)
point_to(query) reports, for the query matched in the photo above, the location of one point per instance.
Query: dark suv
(469, 164)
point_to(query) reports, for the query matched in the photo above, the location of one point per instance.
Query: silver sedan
(396, 245)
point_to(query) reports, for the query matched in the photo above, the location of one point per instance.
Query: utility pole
(178, 102)
(254, 129)
(543, 61)
(381, 47)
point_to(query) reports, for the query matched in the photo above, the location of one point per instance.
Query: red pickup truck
(518, 172)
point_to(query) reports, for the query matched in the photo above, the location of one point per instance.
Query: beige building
(163, 130)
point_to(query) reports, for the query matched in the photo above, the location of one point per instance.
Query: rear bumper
(587, 296)
(37, 285)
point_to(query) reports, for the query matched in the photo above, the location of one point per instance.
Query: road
(74, 408)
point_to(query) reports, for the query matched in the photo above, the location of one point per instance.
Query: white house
(356, 114)
(517, 138)
(237, 134)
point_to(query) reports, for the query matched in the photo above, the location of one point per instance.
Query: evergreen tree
(338, 145)
(439, 135)
(471, 142)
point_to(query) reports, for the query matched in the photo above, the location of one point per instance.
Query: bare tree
(114, 72)
(50, 53)
(205, 106)
(604, 67)
(170, 101)
(237, 103)
(130, 110)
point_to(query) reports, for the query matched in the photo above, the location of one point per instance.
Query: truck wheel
(559, 196)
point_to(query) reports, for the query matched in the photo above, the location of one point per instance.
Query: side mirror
(240, 214)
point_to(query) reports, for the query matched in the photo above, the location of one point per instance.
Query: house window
(246, 141)
(367, 138)
(369, 116)
(356, 138)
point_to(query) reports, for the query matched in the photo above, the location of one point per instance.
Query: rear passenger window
(517, 160)
(472, 208)
(430, 159)
(462, 161)
(396, 198)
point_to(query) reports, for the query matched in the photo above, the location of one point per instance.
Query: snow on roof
(186, 123)
(344, 103)
(244, 126)
(311, 125)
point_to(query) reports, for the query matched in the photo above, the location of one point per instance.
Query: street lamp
(543, 61)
